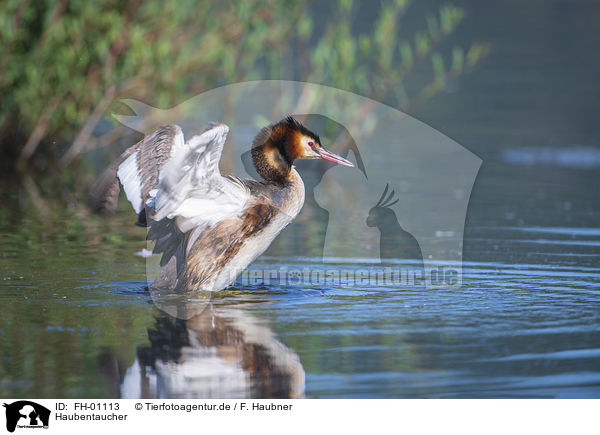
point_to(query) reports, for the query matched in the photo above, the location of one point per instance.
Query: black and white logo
(26, 414)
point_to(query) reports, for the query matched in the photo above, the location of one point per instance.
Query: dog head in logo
(26, 413)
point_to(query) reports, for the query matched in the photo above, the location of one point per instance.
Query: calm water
(76, 320)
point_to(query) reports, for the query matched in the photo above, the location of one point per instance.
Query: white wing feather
(130, 179)
(191, 188)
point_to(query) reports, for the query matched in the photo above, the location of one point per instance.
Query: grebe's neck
(271, 153)
(271, 164)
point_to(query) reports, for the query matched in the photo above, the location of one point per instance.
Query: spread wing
(180, 187)
(139, 171)
(192, 190)
(181, 180)
(177, 188)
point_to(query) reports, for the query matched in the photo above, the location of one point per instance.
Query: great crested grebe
(209, 227)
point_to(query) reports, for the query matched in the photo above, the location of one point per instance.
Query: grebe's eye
(311, 144)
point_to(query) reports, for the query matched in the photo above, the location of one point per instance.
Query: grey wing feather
(143, 161)
(154, 153)
(105, 191)
(139, 173)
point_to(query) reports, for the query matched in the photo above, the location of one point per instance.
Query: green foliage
(64, 59)
(63, 63)
(377, 63)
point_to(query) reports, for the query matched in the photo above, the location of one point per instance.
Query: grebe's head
(277, 146)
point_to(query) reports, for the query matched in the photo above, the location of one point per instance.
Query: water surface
(77, 321)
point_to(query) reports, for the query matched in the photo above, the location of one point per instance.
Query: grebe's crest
(291, 122)
(283, 131)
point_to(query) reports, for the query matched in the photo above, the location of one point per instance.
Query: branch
(84, 134)
(38, 133)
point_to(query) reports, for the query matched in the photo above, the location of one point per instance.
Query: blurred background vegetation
(64, 66)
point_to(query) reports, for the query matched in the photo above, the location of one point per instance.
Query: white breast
(258, 244)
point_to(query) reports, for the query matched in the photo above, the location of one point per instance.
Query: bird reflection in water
(224, 352)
